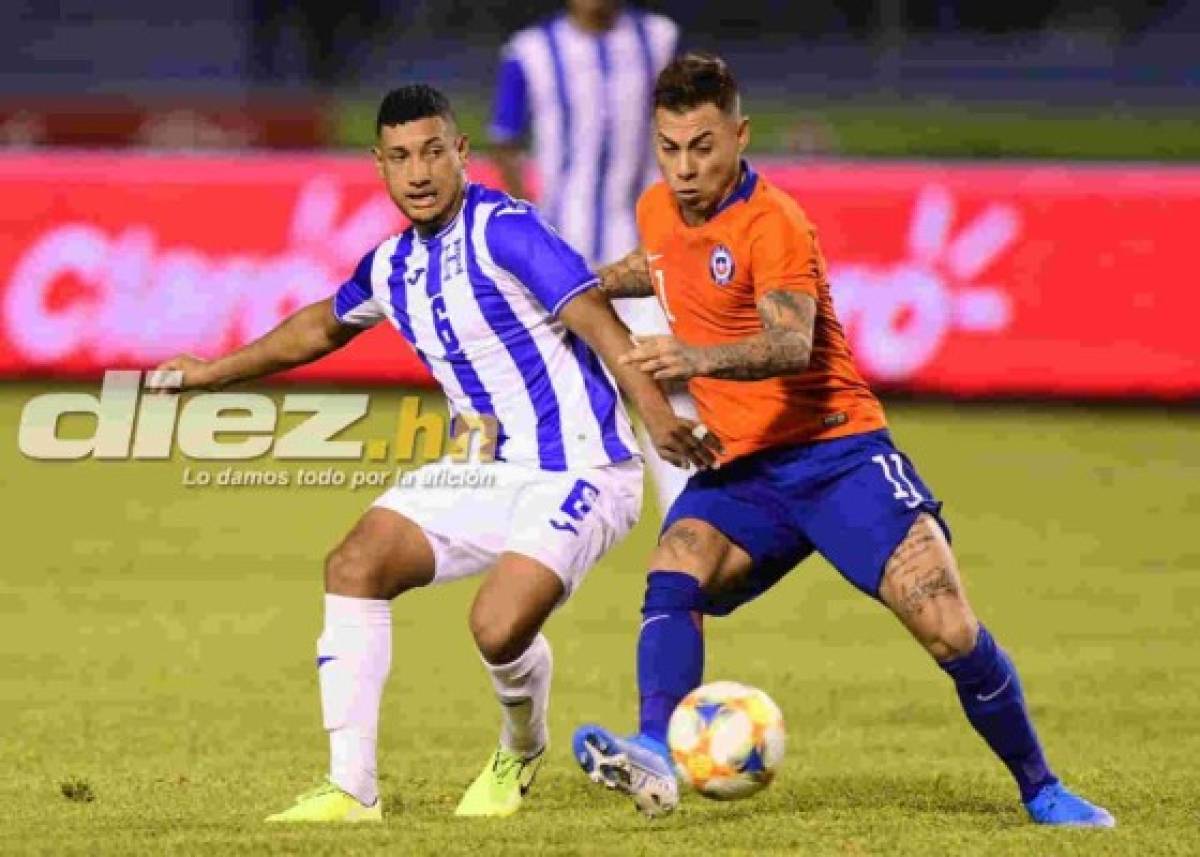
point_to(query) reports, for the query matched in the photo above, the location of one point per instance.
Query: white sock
(668, 479)
(354, 655)
(523, 688)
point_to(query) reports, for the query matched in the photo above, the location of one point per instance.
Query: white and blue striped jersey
(587, 99)
(479, 302)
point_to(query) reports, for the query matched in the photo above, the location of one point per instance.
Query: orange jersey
(709, 278)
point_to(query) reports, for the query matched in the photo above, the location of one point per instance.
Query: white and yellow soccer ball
(727, 740)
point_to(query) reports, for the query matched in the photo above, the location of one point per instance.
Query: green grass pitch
(158, 695)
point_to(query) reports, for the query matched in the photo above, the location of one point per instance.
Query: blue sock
(670, 648)
(991, 696)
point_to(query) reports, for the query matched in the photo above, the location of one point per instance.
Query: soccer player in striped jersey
(578, 85)
(808, 464)
(512, 326)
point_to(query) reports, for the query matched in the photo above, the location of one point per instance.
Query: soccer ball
(727, 740)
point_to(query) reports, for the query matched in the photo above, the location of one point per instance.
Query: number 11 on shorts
(902, 487)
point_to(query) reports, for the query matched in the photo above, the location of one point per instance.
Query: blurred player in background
(579, 86)
(808, 463)
(499, 308)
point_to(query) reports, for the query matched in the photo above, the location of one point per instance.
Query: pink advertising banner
(954, 279)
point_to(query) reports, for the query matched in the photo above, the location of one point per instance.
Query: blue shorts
(852, 499)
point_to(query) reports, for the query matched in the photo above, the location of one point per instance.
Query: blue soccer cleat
(1056, 804)
(637, 766)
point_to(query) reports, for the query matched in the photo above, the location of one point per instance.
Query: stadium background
(1007, 197)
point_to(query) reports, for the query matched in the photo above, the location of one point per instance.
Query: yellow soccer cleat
(328, 804)
(500, 786)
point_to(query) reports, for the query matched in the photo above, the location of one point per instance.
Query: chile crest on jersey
(720, 265)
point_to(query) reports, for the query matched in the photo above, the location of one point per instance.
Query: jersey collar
(468, 192)
(743, 191)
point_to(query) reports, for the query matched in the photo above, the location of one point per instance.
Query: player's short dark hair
(695, 79)
(409, 103)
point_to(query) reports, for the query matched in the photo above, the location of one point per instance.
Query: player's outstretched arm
(783, 348)
(591, 317)
(627, 278)
(304, 336)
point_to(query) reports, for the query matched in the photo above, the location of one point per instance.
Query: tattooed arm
(628, 278)
(783, 348)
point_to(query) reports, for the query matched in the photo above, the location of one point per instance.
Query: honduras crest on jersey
(720, 265)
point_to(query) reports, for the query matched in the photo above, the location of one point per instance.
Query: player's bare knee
(958, 638)
(692, 548)
(951, 638)
(944, 625)
(499, 644)
(500, 634)
(351, 570)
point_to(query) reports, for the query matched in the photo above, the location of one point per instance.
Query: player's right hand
(195, 374)
(683, 442)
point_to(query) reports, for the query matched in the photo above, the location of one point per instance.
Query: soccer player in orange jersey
(807, 463)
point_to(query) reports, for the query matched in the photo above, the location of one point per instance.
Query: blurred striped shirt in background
(584, 100)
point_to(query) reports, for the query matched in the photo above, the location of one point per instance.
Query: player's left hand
(664, 358)
(683, 442)
(192, 373)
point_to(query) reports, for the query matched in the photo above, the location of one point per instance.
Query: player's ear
(378, 155)
(743, 134)
(463, 145)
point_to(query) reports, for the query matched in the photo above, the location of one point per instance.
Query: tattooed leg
(922, 587)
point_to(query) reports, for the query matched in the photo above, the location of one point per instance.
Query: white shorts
(472, 513)
(643, 316)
